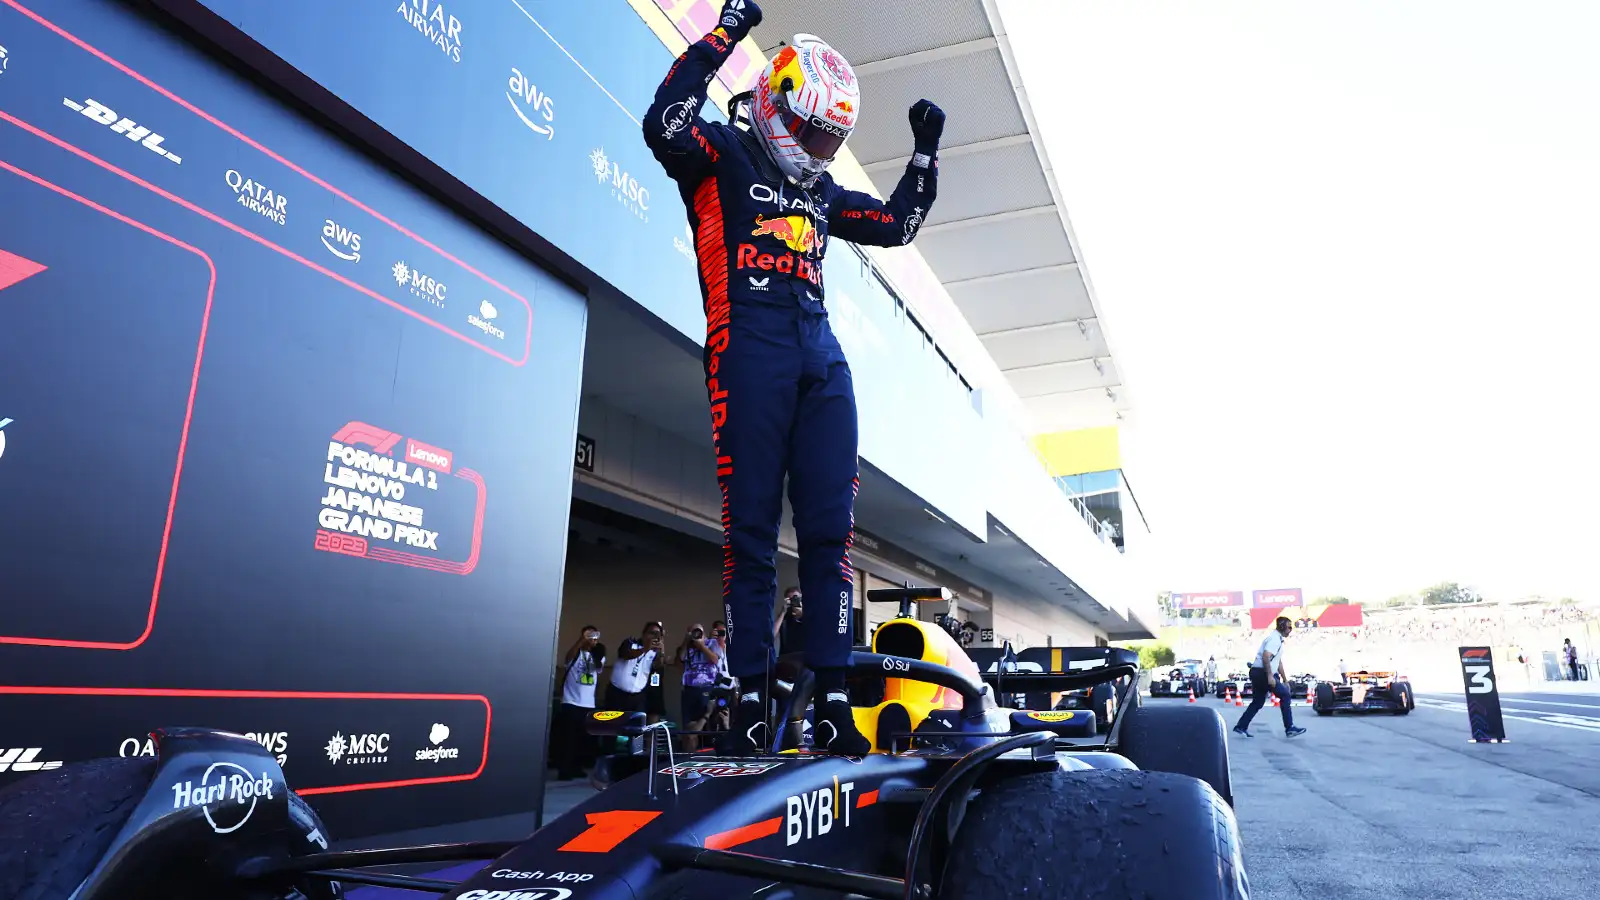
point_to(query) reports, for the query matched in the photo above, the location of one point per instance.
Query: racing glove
(927, 124)
(738, 18)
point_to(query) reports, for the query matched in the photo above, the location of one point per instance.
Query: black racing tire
(56, 825)
(1401, 692)
(1102, 835)
(1187, 740)
(1323, 704)
(1103, 701)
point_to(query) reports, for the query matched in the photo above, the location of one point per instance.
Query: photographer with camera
(699, 655)
(788, 632)
(636, 678)
(573, 746)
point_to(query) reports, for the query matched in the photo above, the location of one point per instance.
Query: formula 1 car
(1237, 684)
(1365, 692)
(1099, 699)
(955, 788)
(1185, 676)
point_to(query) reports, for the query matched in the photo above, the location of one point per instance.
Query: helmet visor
(818, 137)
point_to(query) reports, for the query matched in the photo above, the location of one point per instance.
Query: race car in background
(1364, 692)
(1101, 699)
(1300, 686)
(1185, 676)
(1237, 684)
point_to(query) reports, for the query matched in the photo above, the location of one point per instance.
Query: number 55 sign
(1483, 695)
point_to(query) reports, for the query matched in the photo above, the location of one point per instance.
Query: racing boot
(835, 731)
(750, 732)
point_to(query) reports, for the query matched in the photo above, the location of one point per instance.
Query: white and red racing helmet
(805, 106)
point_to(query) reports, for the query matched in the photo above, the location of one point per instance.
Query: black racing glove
(739, 17)
(927, 124)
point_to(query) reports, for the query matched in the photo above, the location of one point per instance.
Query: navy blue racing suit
(782, 401)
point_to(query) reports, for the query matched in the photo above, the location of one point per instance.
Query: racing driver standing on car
(762, 208)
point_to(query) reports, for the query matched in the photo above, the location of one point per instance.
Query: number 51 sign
(1483, 695)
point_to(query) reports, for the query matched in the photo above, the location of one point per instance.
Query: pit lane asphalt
(1380, 806)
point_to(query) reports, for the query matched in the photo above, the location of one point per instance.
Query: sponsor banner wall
(538, 106)
(1338, 615)
(1209, 600)
(1276, 599)
(288, 446)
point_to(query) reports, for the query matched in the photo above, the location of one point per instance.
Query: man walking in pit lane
(1268, 674)
(761, 207)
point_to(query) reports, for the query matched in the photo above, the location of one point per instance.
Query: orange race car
(1365, 691)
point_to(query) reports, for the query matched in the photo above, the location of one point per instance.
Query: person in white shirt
(1267, 673)
(1211, 670)
(1344, 672)
(583, 662)
(636, 678)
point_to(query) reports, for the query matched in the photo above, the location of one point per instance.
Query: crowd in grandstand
(1522, 634)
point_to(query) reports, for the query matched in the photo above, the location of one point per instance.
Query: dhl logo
(796, 232)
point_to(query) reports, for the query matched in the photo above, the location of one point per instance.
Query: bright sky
(1347, 257)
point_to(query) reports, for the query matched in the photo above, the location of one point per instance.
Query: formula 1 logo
(95, 111)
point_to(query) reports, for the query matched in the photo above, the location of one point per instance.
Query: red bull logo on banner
(796, 232)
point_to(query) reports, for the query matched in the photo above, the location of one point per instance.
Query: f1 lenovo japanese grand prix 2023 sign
(254, 392)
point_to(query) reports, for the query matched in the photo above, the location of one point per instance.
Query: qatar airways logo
(431, 21)
(257, 197)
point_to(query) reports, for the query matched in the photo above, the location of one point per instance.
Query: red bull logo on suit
(796, 232)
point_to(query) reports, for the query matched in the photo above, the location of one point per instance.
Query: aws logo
(341, 241)
(523, 93)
